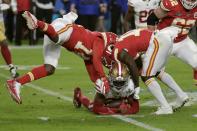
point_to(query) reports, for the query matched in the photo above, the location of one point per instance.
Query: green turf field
(47, 103)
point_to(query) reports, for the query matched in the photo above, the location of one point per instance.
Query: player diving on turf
(119, 100)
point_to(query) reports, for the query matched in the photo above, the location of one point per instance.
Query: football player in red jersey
(181, 14)
(75, 38)
(120, 98)
(143, 40)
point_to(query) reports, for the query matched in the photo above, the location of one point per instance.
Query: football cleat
(31, 20)
(13, 72)
(180, 102)
(164, 111)
(76, 97)
(14, 90)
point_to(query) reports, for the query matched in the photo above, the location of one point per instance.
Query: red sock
(195, 75)
(48, 30)
(35, 74)
(6, 54)
(85, 101)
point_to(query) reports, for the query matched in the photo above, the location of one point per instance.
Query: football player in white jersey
(139, 10)
(3, 40)
(118, 100)
(183, 14)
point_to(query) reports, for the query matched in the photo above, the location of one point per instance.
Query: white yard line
(56, 94)
(29, 67)
(26, 47)
(137, 123)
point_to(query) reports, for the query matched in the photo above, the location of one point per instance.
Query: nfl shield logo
(195, 15)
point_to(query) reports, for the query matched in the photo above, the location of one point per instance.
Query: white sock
(10, 65)
(156, 91)
(170, 82)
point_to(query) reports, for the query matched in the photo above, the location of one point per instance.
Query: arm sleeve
(98, 48)
(125, 58)
(91, 71)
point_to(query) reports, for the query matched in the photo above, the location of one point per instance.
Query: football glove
(102, 85)
(136, 93)
(123, 108)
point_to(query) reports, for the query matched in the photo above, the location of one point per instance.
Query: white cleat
(164, 111)
(14, 90)
(180, 102)
(31, 20)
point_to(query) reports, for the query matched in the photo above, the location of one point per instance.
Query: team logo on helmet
(118, 76)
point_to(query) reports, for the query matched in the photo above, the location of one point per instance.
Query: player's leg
(186, 50)
(55, 30)
(154, 60)
(51, 56)
(79, 99)
(6, 52)
(182, 97)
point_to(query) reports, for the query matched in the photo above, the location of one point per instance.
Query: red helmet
(109, 37)
(189, 4)
(107, 56)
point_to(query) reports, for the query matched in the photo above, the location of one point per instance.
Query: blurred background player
(3, 41)
(138, 12)
(182, 14)
(88, 12)
(119, 100)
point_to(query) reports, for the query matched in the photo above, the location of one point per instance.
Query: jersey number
(143, 15)
(184, 24)
(82, 51)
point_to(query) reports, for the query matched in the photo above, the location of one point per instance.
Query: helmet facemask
(189, 4)
(118, 76)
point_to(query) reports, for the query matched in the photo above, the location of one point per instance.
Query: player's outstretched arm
(97, 52)
(91, 71)
(154, 17)
(125, 58)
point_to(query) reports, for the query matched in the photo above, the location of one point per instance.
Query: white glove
(136, 93)
(102, 85)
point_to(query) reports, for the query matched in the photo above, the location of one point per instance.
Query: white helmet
(118, 76)
(189, 4)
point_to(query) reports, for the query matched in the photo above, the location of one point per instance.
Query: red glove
(102, 85)
(123, 108)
